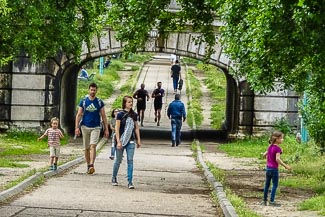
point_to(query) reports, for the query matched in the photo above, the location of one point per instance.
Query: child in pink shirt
(272, 166)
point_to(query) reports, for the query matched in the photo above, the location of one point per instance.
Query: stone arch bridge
(30, 94)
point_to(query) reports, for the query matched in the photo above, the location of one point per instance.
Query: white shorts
(54, 151)
(90, 136)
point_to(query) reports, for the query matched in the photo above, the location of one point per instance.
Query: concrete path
(166, 179)
(154, 71)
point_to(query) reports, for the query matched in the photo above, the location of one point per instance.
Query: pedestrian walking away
(88, 123)
(112, 126)
(172, 59)
(176, 113)
(158, 94)
(127, 138)
(272, 167)
(176, 74)
(141, 95)
(54, 135)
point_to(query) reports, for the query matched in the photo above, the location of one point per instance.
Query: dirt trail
(246, 179)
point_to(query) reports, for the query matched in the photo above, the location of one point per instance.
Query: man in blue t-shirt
(91, 111)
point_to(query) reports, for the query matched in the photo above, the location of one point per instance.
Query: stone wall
(29, 93)
(259, 112)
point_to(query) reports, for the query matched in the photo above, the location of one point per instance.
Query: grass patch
(128, 88)
(315, 204)
(308, 165)
(194, 105)
(11, 164)
(137, 57)
(16, 144)
(216, 83)
(105, 82)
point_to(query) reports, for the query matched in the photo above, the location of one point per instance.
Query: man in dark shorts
(158, 94)
(141, 95)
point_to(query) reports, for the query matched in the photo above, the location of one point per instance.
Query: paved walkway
(154, 71)
(167, 180)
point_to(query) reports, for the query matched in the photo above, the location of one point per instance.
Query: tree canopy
(41, 29)
(268, 40)
(282, 41)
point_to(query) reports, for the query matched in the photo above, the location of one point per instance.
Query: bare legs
(158, 116)
(90, 154)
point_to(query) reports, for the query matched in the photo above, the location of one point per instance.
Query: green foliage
(190, 61)
(116, 65)
(135, 68)
(279, 41)
(10, 163)
(137, 57)
(104, 82)
(313, 113)
(23, 142)
(42, 29)
(194, 106)
(153, 14)
(282, 124)
(315, 203)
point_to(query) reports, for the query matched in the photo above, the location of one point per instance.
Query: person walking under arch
(158, 94)
(176, 112)
(176, 74)
(91, 111)
(126, 132)
(141, 95)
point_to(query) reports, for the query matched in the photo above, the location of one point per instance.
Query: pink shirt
(54, 136)
(271, 156)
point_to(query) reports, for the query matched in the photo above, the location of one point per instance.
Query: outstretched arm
(278, 159)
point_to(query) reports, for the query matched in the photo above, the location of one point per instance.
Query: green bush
(282, 124)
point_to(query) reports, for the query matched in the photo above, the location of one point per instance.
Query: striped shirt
(54, 136)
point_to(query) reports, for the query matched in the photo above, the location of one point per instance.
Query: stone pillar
(32, 93)
(246, 109)
(5, 97)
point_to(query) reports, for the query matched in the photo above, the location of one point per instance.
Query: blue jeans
(176, 130)
(175, 82)
(130, 147)
(271, 174)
